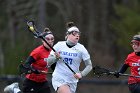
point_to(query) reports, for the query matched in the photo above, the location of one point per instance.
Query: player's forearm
(29, 61)
(123, 68)
(88, 67)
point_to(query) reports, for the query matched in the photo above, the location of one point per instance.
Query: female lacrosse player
(71, 52)
(133, 61)
(36, 81)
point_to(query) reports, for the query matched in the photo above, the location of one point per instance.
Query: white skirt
(58, 81)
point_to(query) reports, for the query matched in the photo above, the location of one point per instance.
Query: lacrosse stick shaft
(103, 71)
(121, 74)
(46, 72)
(129, 75)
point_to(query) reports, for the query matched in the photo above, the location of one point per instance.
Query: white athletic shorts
(58, 81)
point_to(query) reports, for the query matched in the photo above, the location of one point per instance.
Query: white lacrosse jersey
(72, 56)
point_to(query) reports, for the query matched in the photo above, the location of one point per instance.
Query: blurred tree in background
(125, 25)
(107, 27)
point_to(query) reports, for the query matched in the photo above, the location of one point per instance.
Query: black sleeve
(29, 61)
(123, 68)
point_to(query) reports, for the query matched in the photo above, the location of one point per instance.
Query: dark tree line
(98, 20)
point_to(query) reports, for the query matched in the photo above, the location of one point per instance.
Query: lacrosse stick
(37, 34)
(97, 70)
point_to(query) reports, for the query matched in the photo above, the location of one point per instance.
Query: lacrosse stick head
(97, 70)
(32, 28)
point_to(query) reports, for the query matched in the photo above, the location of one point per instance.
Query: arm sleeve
(88, 67)
(123, 68)
(29, 61)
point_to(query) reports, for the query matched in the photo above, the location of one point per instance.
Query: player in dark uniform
(133, 61)
(36, 82)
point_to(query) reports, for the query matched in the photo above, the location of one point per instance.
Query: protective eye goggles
(135, 42)
(74, 33)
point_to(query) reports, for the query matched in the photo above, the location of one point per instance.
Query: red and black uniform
(132, 61)
(37, 82)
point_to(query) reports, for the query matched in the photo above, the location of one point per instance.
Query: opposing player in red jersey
(37, 82)
(133, 61)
